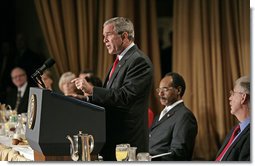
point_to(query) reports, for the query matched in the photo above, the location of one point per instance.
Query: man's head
(19, 77)
(118, 33)
(240, 98)
(171, 88)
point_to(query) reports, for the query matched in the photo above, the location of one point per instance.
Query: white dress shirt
(168, 108)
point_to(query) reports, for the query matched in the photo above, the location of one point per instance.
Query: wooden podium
(40, 157)
(52, 116)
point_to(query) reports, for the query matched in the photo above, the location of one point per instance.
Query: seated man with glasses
(236, 146)
(175, 129)
(17, 97)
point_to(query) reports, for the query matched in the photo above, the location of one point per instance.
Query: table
(9, 152)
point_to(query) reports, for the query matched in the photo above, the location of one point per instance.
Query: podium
(52, 116)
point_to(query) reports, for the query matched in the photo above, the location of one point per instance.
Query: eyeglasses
(18, 76)
(165, 89)
(231, 92)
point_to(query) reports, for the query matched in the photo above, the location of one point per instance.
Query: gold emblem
(32, 107)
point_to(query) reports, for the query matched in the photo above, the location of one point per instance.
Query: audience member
(17, 98)
(67, 87)
(236, 146)
(125, 92)
(175, 129)
(47, 80)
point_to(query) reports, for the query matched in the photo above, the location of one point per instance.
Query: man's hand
(83, 85)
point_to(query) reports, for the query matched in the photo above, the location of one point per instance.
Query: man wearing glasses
(236, 146)
(17, 98)
(175, 129)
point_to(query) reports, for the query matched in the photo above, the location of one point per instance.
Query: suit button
(149, 135)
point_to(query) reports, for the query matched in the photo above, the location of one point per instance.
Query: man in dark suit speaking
(175, 130)
(126, 89)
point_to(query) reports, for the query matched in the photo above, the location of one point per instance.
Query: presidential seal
(32, 107)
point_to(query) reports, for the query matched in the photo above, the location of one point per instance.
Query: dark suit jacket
(175, 132)
(240, 148)
(125, 97)
(12, 97)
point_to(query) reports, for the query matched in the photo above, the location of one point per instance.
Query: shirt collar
(173, 105)
(245, 123)
(22, 89)
(125, 51)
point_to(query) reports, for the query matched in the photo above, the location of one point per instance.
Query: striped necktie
(18, 100)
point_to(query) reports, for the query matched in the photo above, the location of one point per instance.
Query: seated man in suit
(17, 98)
(175, 129)
(236, 146)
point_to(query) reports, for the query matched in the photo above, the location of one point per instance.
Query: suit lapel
(107, 78)
(116, 71)
(168, 115)
(236, 141)
(108, 82)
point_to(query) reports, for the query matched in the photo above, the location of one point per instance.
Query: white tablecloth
(7, 148)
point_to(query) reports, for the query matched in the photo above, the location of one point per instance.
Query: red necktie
(114, 66)
(235, 132)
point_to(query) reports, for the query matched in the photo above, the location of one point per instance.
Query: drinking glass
(121, 152)
(143, 157)
(76, 145)
(132, 154)
(7, 115)
(24, 118)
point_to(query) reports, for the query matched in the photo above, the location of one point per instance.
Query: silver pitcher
(87, 146)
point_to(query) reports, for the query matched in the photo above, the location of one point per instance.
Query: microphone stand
(162, 154)
(38, 80)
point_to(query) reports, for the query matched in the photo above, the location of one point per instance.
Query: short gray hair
(65, 78)
(244, 83)
(121, 25)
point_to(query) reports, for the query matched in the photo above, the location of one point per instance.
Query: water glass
(132, 154)
(143, 156)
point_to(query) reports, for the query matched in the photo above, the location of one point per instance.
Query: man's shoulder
(182, 109)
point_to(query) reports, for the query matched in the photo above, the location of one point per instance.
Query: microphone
(47, 64)
(37, 75)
